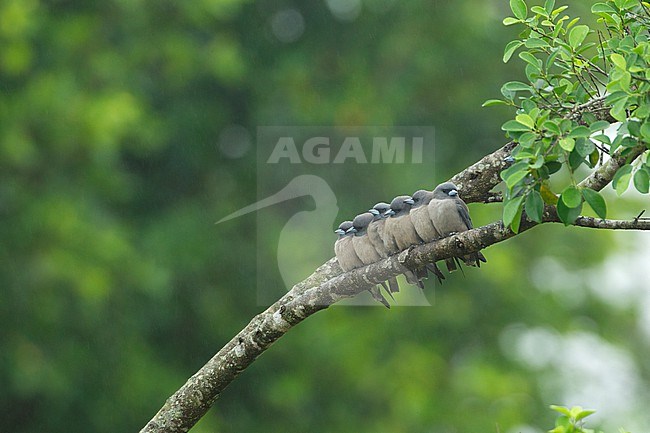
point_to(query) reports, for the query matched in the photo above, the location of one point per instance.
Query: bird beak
(339, 231)
(409, 201)
(453, 193)
(389, 212)
(351, 230)
(375, 212)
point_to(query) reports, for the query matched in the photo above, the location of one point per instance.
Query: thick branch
(328, 284)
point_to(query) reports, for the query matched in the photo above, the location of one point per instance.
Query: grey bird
(376, 234)
(365, 249)
(450, 215)
(400, 233)
(348, 258)
(344, 249)
(423, 223)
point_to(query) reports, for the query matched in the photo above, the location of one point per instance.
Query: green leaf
(577, 35)
(527, 139)
(536, 43)
(645, 131)
(552, 127)
(618, 60)
(567, 143)
(584, 147)
(618, 109)
(594, 157)
(518, 8)
(622, 179)
(568, 215)
(642, 180)
(599, 125)
(547, 195)
(595, 201)
(602, 8)
(571, 196)
(514, 126)
(525, 119)
(580, 131)
(511, 47)
(530, 59)
(508, 21)
(512, 213)
(513, 174)
(517, 85)
(549, 5)
(493, 102)
(553, 166)
(534, 206)
(539, 10)
(583, 414)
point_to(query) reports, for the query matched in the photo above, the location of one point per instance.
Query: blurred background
(128, 127)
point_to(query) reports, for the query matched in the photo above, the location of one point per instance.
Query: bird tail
(475, 259)
(377, 296)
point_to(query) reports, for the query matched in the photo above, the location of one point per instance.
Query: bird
(423, 223)
(375, 236)
(450, 215)
(348, 258)
(365, 249)
(400, 233)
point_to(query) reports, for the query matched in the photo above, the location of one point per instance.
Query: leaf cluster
(587, 96)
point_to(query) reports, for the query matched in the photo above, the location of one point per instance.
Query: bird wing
(464, 213)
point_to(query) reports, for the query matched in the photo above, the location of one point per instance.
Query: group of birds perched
(387, 229)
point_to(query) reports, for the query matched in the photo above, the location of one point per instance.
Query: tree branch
(328, 284)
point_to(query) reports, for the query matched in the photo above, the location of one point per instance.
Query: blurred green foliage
(114, 166)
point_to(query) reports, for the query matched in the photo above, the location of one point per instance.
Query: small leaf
(527, 139)
(553, 166)
(508, 21)
(580, 131)
(539, 10)
(577, 35)
(493, 102)
(602, 8)
(561, 409)
(584, 147)
(536, 43)
(595, 201)
(534, 206)
(567, 143)
(571, 196)
(549, 5)
(642, 181)
(530, 59)
(525, 119)
(583, 414)
(622, 179)
(645, 131)
(547, 195)
(518, 8)
(552, 127)
(513, 125)
(568, 215)
(618, 60)
(511, 47)
(512, 213)
(594, 157)
(599, 125)
(517, 85)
